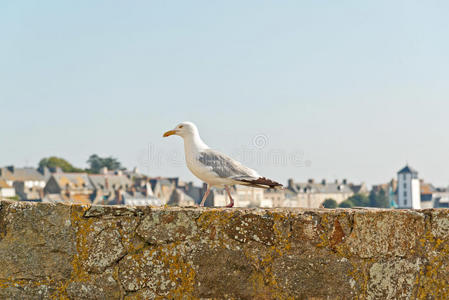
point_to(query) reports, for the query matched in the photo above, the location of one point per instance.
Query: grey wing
(224, 166)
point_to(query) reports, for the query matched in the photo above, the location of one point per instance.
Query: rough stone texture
(97, 252)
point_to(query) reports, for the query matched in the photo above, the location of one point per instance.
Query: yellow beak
(168, 133)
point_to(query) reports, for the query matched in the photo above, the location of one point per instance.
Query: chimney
(176, 180)
(104, 170)
(311, 180)
(336, 181)
(323, 182)
(290, 183)
(345, 181)
(149, 189)
(10, 169)
(67, 191)
(119, 196)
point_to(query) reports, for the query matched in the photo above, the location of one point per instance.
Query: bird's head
(183, 129)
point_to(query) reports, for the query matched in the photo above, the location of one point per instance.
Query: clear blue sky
(329, 89)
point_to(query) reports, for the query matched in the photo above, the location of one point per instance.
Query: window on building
(405, 193)
(405, 185)
(405, 176)
(405, 201)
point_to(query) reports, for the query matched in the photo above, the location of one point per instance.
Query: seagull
(213, 167)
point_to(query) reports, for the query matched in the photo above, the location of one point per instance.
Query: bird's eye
(180, 126)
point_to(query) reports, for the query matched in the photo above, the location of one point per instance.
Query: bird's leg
(230, 197)
(205, 195)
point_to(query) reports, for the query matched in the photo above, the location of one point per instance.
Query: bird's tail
(261, 182)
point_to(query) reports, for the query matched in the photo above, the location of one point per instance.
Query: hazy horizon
(293, 89)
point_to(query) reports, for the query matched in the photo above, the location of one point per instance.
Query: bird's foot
(230, 204)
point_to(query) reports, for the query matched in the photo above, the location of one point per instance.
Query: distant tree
(96, 163)
(330, 203)
(383, 199)
(57, 162)
(359, 200)
(346, 204)
(379, 199)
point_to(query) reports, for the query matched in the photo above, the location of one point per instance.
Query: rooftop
(20, 174)
(408, 170)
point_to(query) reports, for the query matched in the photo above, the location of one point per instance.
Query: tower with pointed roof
(409, 195)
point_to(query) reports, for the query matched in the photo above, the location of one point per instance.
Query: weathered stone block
(393, 279)
(103, 286)
(166, 226)
(440, 224)
(37, 241)
(385, 233)
(256, 227)
(302, 277)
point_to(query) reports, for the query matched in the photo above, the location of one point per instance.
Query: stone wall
(97, 252)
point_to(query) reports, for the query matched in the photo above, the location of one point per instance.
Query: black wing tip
(264, 182)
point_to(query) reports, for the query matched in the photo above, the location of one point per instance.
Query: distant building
(427, 191)
(106, 186)
(312, 194)
(194, 192)
(276, 197)
(409, 194)
(122, 188)
(248, 196)
(135, 198)
(69, 188)
(441, 198)
(6, 191)
(392, 184)
(357, 188)
(180, 198)
(163, 187)
(433, 197)
(28, 183)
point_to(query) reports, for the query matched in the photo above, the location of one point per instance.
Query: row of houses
(133, 188)
(118, 187)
